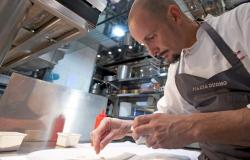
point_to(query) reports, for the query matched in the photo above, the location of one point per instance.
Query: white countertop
(85, 151)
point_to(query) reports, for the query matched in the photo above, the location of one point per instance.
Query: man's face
(162, 39)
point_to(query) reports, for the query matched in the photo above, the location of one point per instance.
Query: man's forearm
(128, 128)
(226, 127)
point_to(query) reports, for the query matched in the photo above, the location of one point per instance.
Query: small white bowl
(68, 139)
(11, 141)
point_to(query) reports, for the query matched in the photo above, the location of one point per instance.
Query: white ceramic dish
(159, 156)
(67, 139)
(11, 141)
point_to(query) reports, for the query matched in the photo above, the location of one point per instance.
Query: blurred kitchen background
(84, 51)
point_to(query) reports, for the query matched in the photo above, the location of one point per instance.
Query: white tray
(68, 139)
(11, 141)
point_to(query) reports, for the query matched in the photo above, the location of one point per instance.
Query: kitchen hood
(32, 28)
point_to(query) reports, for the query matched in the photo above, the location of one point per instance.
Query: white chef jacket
(204, 59)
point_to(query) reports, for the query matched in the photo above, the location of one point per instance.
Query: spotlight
(130, 47)
(98, 56)
(109, 52)
(118, 31)
(119, 50)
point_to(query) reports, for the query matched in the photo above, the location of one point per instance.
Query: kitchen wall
(76, 69)
(36, 106)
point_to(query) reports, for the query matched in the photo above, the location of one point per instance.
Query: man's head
(162, 27)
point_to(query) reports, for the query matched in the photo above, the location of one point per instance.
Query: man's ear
(174, 14)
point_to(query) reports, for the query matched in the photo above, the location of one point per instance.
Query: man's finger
(156, 146)
(107, 140)
(99, 133)
(143, 130)
(91, 138)
(96, 143)
(104, 124)
(150, 141)
(140, 120)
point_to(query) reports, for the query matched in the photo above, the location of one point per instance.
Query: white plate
(159, 156)
(75, 154)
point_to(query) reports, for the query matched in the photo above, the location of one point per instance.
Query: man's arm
(227, 127)
(171, 131)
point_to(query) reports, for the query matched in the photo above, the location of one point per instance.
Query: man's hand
(163, 130)
(108, 130)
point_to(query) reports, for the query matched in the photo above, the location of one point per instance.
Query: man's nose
(154, 51)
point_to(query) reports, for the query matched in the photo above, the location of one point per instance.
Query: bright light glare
(118, 31)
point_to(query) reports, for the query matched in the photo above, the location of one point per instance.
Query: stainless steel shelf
(139, 94)
(140, 78)
(136, 79)
(98, 80)
(102, 81)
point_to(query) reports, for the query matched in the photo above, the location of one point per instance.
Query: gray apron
(227, 90)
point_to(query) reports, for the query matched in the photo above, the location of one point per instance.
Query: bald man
(207, 93)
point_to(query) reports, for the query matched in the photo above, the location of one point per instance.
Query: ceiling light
(163, 74)
(99, 56)
(109, 52)
(142, 44)
(119, 50)
(118, 31)
(115, 1)
(130, 47)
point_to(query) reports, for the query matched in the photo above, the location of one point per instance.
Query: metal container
(123, 72)
(96, 88)
(109, 78)
(135, 91)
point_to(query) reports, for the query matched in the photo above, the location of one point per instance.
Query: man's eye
(151, 37)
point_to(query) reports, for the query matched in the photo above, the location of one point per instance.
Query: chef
(207, 93)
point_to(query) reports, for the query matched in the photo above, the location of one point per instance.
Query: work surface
(114, 151)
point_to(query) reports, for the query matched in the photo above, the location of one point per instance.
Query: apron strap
(221, 44)
(248, 97)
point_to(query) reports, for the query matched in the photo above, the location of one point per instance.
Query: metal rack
(38, 27)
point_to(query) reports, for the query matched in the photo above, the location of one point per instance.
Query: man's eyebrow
(146, 37)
